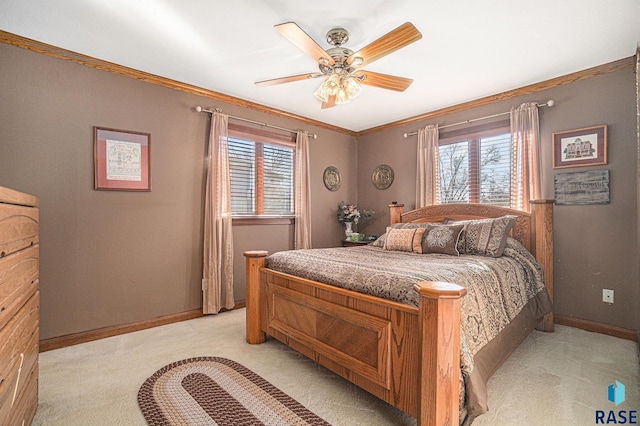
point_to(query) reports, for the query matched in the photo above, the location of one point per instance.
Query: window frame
(261, 137)
(473, 135)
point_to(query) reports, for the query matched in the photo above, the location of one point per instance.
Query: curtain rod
(200, 109)
(549, 103)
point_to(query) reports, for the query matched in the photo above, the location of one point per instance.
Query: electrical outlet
(607, 295)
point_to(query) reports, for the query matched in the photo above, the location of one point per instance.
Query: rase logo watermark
(615, 394)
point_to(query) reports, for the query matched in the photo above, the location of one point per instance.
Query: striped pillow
(404, 239)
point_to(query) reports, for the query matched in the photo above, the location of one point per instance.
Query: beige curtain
(426, 166)
(217, 281)
(525, 134)
(302, 189)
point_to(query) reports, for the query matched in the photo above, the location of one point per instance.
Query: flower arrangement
(350, 213)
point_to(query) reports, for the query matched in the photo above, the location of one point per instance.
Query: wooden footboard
(409, 357)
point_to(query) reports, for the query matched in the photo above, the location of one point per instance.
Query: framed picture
(580, 147)
(121, 160)
(590, 187)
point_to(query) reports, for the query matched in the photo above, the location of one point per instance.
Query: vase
(348, 231)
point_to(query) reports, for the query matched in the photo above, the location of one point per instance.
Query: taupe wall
(111, 257)
(596, 246)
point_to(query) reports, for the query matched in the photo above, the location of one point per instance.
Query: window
(261, 170)
(474, 166)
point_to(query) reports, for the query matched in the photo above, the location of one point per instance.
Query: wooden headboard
(534, 230)
(523, 230)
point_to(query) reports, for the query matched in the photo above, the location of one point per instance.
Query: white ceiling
(470, 49)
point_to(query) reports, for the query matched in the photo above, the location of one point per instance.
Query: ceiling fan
(341, 67)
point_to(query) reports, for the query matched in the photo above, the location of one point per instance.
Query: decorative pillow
(404, 239)
(486, 237)
(402, 225)
(442, 239)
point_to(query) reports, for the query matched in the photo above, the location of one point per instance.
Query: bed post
(542, 214)
(255, 260)
(395, 213)
(439, 353)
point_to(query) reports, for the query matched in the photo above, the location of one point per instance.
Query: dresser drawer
(16, 336)
(8, 388)
(25, 406)
(18, 228)
(18, 281)
(18, 389)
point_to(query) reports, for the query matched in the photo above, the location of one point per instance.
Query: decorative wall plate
(331, 177)
(382, 176)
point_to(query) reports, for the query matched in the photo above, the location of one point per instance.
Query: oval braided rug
(217, 391)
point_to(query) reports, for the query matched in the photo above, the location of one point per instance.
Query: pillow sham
(404, 239)
(485, 237)
(402, 225)
(442, 239)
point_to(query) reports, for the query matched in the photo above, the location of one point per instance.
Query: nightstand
(349, 243)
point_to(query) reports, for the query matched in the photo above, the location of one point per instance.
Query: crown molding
(526, 90)
(37, 46)
(56, 52)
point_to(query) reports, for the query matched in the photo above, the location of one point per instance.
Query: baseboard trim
(611, 330)
(101, 333)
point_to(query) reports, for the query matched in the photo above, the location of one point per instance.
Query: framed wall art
(580, 147)
(331, 178)
(121, 160)
(590, 187)
(382, 177)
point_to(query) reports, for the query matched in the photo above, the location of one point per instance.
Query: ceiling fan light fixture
(348, 90)
(342, 88)
(329, 87)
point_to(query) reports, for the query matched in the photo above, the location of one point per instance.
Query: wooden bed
(407, 356)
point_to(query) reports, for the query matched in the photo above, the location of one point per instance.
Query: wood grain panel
(542, 211)
(15, 337)
(439, 367)
(11, 196)
(346, 336)
(19, 307)
(19, 349)
(26, 405)
(18, 228)
(8, 382)
(18, 281)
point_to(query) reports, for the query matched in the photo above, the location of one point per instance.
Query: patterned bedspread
(497, 288)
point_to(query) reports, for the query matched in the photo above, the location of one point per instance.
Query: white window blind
(495, 170)
(475, 167)
(261, 178)
(278, 180)
(242, 160)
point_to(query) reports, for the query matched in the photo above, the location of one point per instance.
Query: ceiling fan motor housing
(337, 37)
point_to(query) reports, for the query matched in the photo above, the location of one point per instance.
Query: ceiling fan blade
(394, 40)
(331, 102)
(385, 81)
(289, 79)
(292, 32)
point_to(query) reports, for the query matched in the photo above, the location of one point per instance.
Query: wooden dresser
(19, 307)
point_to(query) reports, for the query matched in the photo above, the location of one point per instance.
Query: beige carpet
(552, 379)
